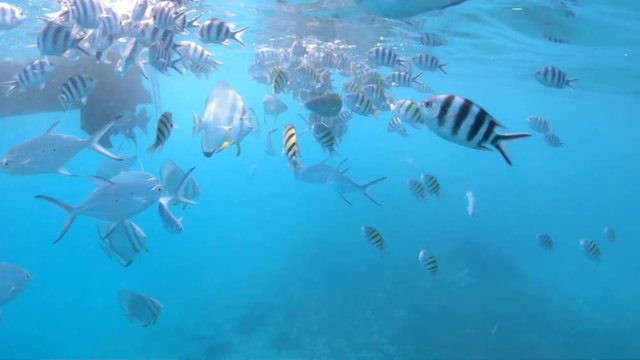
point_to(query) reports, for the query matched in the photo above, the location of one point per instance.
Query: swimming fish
(553, 140)
(463, 122)
(360, 104)
(226, 120)
(383, 56)
(431, 183)
(280, 80)
(34, 75)
(471, 203)
(171, 175)
(86, 13)
(428, 62)
(10, 16)
(139, 9)
(428, 261)
(345, 185)
(125, 241)
(171, 223)
(395, 125)
(325, 137)
(408, 111)
(55, 39)
(553, 77)
(325, 105)
(539, 124)
(49, 152)
(402, 79)
(290, 146)
(139, 307)
(609, 233)
(545, 241)
(416, 188)
(219, 31)
(590, 249)
(271, 105)
(13, 280)
(163, 131)
(373, 236)
(76, 90)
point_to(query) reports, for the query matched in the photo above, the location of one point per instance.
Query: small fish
(383, 56)
(163, 14)
(34, 75)
(378, 96)
(139, 307)
(110, 22)
(395, 125)
(298, 49)
(417, 189)
(350, 86)
(196, 54)
(402, 79)
(290, 146)
(219, 31)
(609, 233)
(280, 79)
(428, 62)
(10, 16)
(171, 223)
(471, 203)
(125, 241)
(539, 124)
(271, 105)
(171, 175)
(553, 77)
(428, 261)
(160, 58)
(360, 104)
(55, 39)
(87, 13)
(463, 122)
(76, 90)
(163, 131)
(590, 249)
(139, 9)
(431, 39)
(373, 236)
(13, 280)
(553, 140)
(327, 105)
(408, 111)
(545, 241)
(431, 183)
(421, 87)
(325, 137)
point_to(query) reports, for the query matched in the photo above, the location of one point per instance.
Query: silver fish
(125, 241)
(139, 307)
(609, 233)
(171, 223)
(49, 152)
(271, 105)
(553, 140)
(10, 16)
(171, 175)
(13, 280)
(139, 9)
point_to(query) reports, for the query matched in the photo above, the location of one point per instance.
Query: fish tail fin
(366, 186)
(415, 78)
(441, 67)
(193, 22)
(197, 123)
(237, 35)
(570, 82)
(506, 137)
(94, 142)
(71, 212)
(174, 66)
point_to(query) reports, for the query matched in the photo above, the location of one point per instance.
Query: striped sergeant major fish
(219, 32)
(86, 13)
(76, 90)
(590, 249)
(553, 77)
(408, 111)
(428, 261)
(163, 131)
(545, 241)
(539, 124)
(553, 140)
(10, 16)
(34, 75)
(465, 123)
(383, 56)
(417, 189)
(325, 137)
(373, 236)
(196, 54)
(55, 39)
(402, 79)
(360, 104)
(160, 59)
(290, 146)
(395, 125)
(431, 39)
(428, 62)
(431, 183)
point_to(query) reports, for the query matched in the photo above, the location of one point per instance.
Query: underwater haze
(371, 179)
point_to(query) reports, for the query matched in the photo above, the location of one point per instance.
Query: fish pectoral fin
(224, 145)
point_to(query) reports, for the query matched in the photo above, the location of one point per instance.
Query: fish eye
(5, 163)
(428, 104)
(27, 276)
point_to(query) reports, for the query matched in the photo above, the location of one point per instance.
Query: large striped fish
(463, 122)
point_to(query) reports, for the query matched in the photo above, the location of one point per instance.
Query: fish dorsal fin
(50, 129)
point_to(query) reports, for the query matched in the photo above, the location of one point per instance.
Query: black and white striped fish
(350, 86)
(590, 249)
(147, 33)
(359, 104)
(383, 56)
(553, 140)
(76, 90)
(408, 111)
(324, 135)
(111, 22)
(290, 146)
(34, 75)
(539, 124)
(87, 13)
(463, 122)
(422, 87)
(163, 14)
(395, 125)
(431, 183)
(428, 62)
(545, 241)
(55, 39)
(402, 79)
(163, 131)
(430, 39)
(99, 41)
(219, 32)
(373, 236)
(378, 96)
(10, 16)
(553, 77)
(196, 54)
(428, 261)
(160, 58)
(417, 189)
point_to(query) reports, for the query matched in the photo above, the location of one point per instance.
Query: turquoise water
(269, 267)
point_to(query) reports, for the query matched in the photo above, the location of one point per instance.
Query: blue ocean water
(270, 267)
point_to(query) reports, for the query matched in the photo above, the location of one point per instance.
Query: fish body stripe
(444, 109)
(478, 122)
(461, 116)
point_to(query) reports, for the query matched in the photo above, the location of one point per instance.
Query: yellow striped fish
(280, 80)
(373, 236)
(165, 124)
(431, 183)
(428, 261)
(290, 146)
(417, 189)
(545, 241)
(591, 249)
